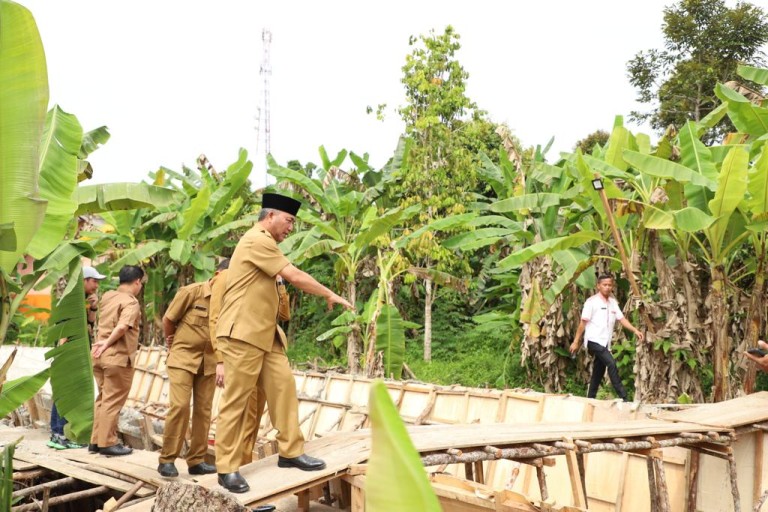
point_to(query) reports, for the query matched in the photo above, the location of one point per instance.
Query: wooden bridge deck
(344, 451)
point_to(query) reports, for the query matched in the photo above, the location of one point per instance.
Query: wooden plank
(61, 466)
(745, 410)
(574, 475)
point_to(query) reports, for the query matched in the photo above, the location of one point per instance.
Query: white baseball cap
(92, 273)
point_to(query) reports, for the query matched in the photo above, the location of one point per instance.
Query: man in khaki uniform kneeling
(191, 372)
(252, 345)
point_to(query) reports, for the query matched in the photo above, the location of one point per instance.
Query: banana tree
(344, 217)
(178, 242)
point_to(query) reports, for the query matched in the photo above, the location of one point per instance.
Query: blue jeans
(57, 422)
(604, 360)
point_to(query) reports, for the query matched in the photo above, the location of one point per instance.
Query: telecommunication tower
(265, 71)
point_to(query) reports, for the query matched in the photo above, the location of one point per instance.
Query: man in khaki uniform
(257, 400)
(191, 372)
(114, 355)
(253, 345)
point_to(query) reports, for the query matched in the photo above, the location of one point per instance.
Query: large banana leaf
(7, 237)
(758, 185)
(16, 392)
(396, 480)
(60, 146)
(732, 186)
(236, 177)
(520, 256)
(139, 254)
(533, 202)
(71, 371)
(196, 210)
(23, 102)
(660, 168)
(620, 140)
(382, 225)
(390, 339)
(123, 196)
(745, 115)
(757, 75)
(697, 157)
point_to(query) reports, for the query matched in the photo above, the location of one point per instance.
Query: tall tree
(704, 41)
(447, 130)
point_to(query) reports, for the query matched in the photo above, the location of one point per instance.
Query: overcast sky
(174, 79)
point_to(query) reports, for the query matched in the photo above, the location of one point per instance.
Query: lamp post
(597, 184)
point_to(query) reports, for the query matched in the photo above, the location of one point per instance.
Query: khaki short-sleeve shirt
(191, 346)
(119, 308)
(249, 309)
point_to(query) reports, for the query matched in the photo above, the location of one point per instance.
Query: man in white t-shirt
(597, 320)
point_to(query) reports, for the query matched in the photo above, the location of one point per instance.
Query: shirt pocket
(197, 316)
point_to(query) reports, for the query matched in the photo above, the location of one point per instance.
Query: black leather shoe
(263, 508)
(115, 450)
(202, 469)
(304, 462)
(233, 482)
(168, 469)
(93, 448)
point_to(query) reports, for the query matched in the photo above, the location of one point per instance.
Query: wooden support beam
(30, 475)
(652, 487)
(303, 505)
(542, 483)
(128, 495)
(67, 498)
(577, 490)
(41, 487)
(693, 480)
(661, 481)
(479, 476)
(582, 472)
(734, 483)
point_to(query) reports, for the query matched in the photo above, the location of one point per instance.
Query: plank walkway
(343, 450)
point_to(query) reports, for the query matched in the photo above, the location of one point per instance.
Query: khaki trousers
(252, 421)
(114, 384)
(186, 386)
(244, 367)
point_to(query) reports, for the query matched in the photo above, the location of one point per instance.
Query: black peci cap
(283, 203)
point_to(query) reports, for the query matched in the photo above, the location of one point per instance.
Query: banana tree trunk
(719, 312)
(755, 317)
(353, 338)
(428, 301)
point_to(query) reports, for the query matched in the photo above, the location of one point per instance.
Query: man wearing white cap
(91, 279)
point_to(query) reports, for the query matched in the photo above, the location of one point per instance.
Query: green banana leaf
(621, 139)
(545, 247)
(383, 224)
(92, 140)
(111, 197)
(534, 202)
(23, 104)
(237, 176)
(390, 339)
(194, 212)
(757, 75)
(396, 480)
(660, 168)
(71, 371)
(697, 157)
(60, 145)
(757, 185)
(745, 115)
(16, 392)
(732, 186)
(139, 254)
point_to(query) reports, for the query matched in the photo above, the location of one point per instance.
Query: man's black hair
(603, 277)
(130, 273)
(223, 264)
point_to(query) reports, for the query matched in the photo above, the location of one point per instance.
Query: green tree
(587, 144)
(704, 42)
(447, 131)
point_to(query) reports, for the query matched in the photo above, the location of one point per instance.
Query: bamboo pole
(58, 500)
(128, 495)
(624, 260)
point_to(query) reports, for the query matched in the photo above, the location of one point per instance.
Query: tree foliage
(704, 42)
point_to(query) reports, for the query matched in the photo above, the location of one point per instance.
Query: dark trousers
(603, 360)
(57, 422)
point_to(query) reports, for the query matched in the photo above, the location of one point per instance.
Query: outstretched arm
(309, 284)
